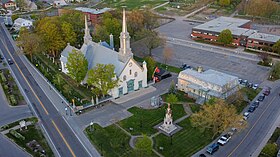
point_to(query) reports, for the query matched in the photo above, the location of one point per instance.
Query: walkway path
(160, 5)
(15, 128)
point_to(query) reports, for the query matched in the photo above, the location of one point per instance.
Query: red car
(266, 92)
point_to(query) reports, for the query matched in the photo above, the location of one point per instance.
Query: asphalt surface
(60, 134)
(12, 151)
(259, 124)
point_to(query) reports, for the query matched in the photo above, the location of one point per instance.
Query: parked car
(266, 91)
(256, 86)
(224, 139)
(261, 97)
(185, 66)
(202, 155)
(244, 82)
(1, 57)
(212, 148)
(256, 104)
(250, 85)
(251, 109)
(246, 115)
(240, 81)
(10, 62)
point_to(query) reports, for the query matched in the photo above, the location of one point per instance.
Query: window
(124, 78)
(130, 72)
(135, 74)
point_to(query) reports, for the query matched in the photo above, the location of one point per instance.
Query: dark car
(261, 97)
(10, 62)
(185, 66)
(250, 85)
(256, 104)
(1, 57)
(212, 148)
(266, 92)
(251, 109)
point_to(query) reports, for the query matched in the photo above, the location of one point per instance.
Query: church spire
(125, 50)
(87, 36)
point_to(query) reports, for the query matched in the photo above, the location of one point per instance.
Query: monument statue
(168, 125)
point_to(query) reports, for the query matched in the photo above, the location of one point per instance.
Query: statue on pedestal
(168, 125)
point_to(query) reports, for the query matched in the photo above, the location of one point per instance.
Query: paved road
(61, 135)
(9, 149)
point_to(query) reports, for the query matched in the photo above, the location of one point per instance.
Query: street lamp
(66, 110)
(91, 124)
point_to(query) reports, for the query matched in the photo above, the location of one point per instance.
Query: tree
(276, 47)
(171, 98)
(100, 33)
(275, 71)
(135, 22)
(21, 4)
(103, 78)
(143, 146)
(217, 117)
(29, 42)
(77, 65)
(270, 150)
(225, 37)
(172, 88)
(150, 39)
(151, 65)
(68, 32)
(67, 89)
(224, 2)
(265, 59)
(150, 20)
(167, 54)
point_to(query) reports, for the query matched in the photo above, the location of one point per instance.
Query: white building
(131, 75)
(207, 84)
(20, 22)
(59, 3)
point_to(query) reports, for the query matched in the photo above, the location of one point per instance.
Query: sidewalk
(15, 128)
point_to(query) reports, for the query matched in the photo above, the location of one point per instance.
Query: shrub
(3, 78)
(13, 99)
(16, 134)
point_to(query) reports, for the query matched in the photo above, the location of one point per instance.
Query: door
(140, 84)
(120, 91)
(130, 85)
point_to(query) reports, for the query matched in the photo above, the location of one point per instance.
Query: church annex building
(131, 75)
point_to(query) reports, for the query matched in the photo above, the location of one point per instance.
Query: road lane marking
(47, 113)
(68, 146)
(251, 128)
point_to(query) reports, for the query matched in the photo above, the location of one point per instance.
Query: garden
(11, 89)
(31, 138)
(271, 148)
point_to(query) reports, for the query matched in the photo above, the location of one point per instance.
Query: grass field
(184, 143)
(250, 92)
(148, 119)
(132, 4)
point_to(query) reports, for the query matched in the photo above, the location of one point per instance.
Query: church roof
(96, 53)
(68, 49)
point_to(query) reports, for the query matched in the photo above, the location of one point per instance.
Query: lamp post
(91, 124)
(66, 110)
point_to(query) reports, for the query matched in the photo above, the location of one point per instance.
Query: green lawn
(132, 4)
(250, 92)
(186, 142)
(148, 119)
(110, 141)
(32, 133)
(182, 97)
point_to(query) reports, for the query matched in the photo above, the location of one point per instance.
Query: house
(207, 84)
(59, 3)
(30, 5)
(262, 41)
(9, 4)
(93, 15)
(20, 22)
(131, 75)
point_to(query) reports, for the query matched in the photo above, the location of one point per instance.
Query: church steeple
(87, 36)
(125, 50)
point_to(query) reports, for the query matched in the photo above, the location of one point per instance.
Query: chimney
(199, 69)
(112, 41)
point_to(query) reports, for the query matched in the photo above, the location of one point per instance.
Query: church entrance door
(130, 85)
(120, 91)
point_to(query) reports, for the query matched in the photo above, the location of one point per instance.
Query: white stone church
(131, 75)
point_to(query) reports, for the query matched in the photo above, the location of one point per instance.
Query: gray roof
(92, 11)
(233, 24)
(210, 76)
(96, 53)
(265, 37)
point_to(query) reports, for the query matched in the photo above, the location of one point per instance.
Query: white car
(256, 86)
(246, 115)
(224, 139)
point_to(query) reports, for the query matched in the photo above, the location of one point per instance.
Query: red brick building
(239, 28)
(262, 41)
(9, 4)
